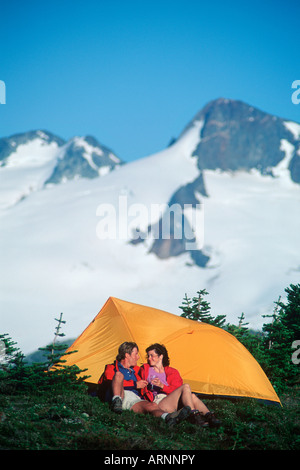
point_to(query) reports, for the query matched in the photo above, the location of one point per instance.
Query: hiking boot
(116, 405)
(212, 420)
(177, 416)
(198, 418)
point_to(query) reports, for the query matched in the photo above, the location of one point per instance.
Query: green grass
(76, 421)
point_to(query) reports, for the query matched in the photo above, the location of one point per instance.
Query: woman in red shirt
(166, 388)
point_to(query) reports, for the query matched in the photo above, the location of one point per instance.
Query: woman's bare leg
(170, 403)
(199, 405)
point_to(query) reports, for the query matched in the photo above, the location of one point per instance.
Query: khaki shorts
(159, 397)
(130, 399)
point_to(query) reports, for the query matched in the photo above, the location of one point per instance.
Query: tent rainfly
(208, 358)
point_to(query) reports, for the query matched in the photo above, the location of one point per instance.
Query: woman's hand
(157, 383)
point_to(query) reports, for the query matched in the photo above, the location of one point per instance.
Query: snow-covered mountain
(30, 160)
(74, 232)
(235, 137)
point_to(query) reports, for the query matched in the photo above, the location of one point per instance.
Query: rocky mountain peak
(236, 136)
(83, 157)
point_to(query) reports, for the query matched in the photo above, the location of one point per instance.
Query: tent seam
(123, 318)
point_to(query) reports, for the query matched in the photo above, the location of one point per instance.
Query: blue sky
(134, 73)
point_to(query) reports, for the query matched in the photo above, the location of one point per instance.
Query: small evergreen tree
(250, 339)
(241, 331)
(291, 310)
(58, 375)
(279, 335)
(198, 309)
(52, 375)
(55, 350)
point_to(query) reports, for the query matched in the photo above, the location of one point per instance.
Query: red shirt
(104, 383)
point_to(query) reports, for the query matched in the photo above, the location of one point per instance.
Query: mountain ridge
(233, 136)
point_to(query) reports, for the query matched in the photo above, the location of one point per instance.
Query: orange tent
(210, 359)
